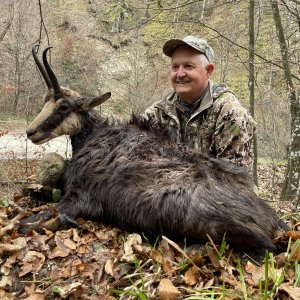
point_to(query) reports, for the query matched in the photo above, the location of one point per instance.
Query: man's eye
(189, 67)
(174, 68)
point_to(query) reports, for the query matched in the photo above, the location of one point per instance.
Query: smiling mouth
(182, 83)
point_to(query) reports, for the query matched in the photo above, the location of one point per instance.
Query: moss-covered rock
(51, 169)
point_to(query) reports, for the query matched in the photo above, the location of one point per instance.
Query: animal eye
(64, 106)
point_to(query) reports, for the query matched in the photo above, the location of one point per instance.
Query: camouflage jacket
(216, 124)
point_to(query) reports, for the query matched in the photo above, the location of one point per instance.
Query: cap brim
(171, 45)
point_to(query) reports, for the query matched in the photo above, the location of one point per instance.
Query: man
(199, 113)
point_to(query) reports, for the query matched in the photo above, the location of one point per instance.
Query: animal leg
(46, 220)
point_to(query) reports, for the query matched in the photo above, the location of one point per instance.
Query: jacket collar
(168, 104)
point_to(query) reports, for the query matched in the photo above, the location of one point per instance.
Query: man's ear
(210, 68)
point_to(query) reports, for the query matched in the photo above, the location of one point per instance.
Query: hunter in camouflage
(209, 118)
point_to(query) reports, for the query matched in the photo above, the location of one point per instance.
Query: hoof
(46, 220)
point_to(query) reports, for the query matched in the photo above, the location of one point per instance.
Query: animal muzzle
(30, 133)
(37, 137)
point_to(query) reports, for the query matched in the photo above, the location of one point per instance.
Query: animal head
(61, 112)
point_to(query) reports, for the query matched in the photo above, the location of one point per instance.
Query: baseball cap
(199, 44)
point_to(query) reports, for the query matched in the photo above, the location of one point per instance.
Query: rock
(51, 169)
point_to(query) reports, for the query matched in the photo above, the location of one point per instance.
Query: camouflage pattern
(199, 44)
(216, 124)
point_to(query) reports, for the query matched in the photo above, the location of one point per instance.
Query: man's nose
(181, 72)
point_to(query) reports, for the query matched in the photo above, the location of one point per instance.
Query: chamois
(131, 175)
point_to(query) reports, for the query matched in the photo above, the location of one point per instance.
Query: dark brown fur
(134, 179)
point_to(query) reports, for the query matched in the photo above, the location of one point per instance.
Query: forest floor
(103, 262)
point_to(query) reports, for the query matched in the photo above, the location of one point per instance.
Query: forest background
(116, 46)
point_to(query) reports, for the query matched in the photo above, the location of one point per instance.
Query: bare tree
(251, 82)
(291, 189)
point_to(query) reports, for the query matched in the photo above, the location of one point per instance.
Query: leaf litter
(99, 261)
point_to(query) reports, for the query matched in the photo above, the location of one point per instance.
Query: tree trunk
(251, 82)
(291, 189)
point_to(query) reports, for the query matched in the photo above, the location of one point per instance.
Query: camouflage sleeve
(234, 131)
(151, 113)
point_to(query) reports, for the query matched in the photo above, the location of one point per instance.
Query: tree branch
(245, 48)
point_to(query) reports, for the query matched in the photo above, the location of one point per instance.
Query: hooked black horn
(52, 77)
(40, 66)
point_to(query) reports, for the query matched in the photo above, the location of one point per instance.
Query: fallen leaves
(258, 274)
(32, 262)
(75, 290)
(14, 246)
(292, 292)
(64, 243)
(192, 275)
(134, 241)
(102, 262)
(167, 291)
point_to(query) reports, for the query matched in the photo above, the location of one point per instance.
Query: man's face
(189, 74)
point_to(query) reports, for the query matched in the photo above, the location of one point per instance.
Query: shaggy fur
(130, 176)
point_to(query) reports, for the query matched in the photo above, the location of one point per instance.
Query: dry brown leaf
(93, 270)
(17, 245)
(109, 268)
(74, 290)
(65, 237)
(70, 268)
(258, 272)
(132, 241)
(228, 278)
(81, 268)
(281, 259)
(166, 250)
(173, 244)
(213, 256)
(55, 273)
(296, 252)
(33, 294)
(70, 244)
(156, 256)
(6, 296)
(5, 282)
(191, 276)
(106, 235)
(5, 268)
(34, 187)
(293, 234)
(209, 283)
(293, 292)
(32, 262)
(61, 250)
(82, 249)
(75, 235)
(167, 266)
(9, 227)
(167, 291)
(39, 241)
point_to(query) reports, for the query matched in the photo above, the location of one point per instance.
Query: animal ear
(85, 104)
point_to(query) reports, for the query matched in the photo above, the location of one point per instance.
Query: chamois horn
(52, 77)
(40, 66)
